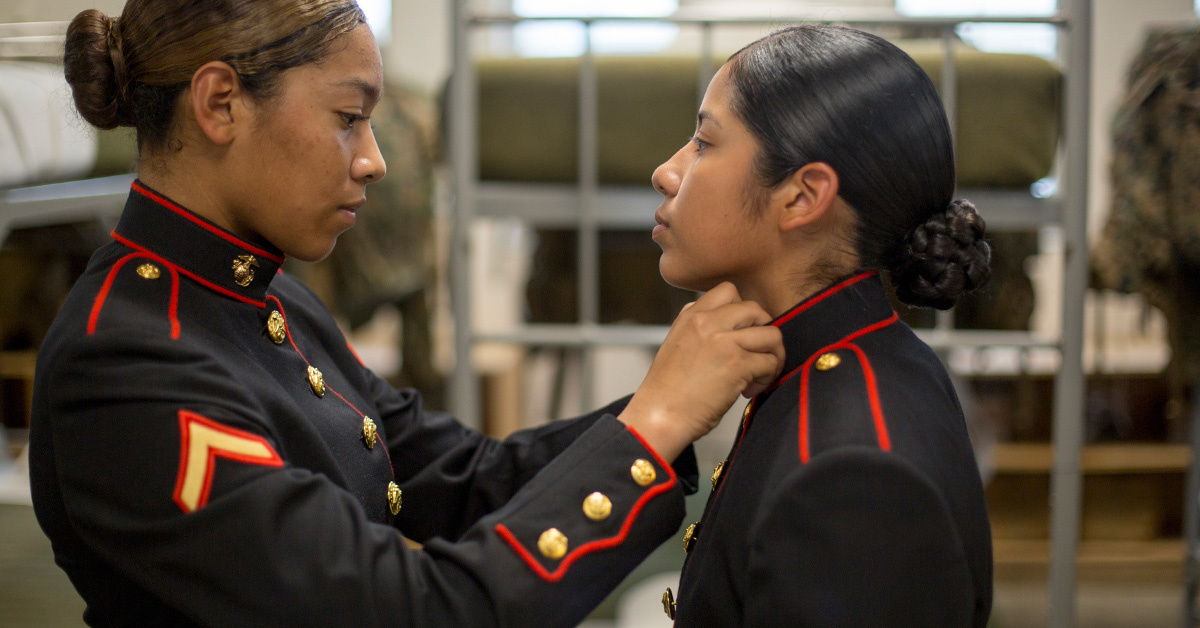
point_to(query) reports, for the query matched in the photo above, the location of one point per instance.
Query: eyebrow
(370, 90)
(705, 115)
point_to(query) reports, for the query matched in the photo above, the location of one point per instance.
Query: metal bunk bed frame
(57, 203)
(588, 207)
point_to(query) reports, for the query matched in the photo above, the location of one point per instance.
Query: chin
(312, 253)
(684, 281)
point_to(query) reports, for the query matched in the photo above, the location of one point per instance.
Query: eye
(700, 144)
(351, 118)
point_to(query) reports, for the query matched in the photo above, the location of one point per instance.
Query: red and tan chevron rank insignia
(201, 441)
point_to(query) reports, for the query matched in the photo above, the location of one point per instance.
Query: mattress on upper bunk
(1006, 134)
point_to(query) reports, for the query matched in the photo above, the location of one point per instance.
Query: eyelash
(351, 118)
(700, 144)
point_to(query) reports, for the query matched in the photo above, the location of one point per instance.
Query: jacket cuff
(592, 498)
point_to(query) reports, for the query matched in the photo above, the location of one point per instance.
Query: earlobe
(216, 95)
(807, 194)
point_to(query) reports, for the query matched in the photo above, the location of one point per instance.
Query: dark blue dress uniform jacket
(201, 454)
(851, 497)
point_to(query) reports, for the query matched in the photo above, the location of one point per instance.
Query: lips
(661, 225)
(353, 207)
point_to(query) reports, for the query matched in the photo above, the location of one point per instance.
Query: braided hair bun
(943, 258)
(95, 69)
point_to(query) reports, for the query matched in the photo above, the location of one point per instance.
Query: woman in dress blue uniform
(823, 161)
(206, 448)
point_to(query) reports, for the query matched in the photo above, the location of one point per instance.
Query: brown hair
(130, 71)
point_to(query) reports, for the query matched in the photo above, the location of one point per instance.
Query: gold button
(828, 361)
(276, 328)
(553, 544)
(689, 537)
(716, 476)
(669, 603)
(643, 472)
(395, 498)
(369, 432)
(746, 413)
(149, 271)
(316, 381)
(597, 507)
(243, 269)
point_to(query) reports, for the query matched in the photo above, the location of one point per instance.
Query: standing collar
(214, 257)
(847, 306)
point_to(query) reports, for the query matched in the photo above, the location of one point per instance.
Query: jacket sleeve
(452, 475)
(857, 537)
(136, 423)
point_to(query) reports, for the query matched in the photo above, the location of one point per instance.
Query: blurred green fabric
(1007, 131)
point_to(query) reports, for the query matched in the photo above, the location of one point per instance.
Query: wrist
(657, 430)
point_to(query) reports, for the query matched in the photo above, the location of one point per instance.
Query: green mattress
(1007, 131)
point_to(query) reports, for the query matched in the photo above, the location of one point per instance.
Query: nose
(368, 165)
(666, 177)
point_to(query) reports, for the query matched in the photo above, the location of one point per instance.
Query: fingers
(723, 294)
(738, 315)
(767, 340)
(762, 368)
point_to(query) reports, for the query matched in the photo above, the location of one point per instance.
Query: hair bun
(94, 65)
(943, 258)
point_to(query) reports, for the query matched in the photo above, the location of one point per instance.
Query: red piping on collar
(881, 431)
(287, 328)
(196, 219)
(172, 309)
(206, 283)
(830, 291)
(599, 544)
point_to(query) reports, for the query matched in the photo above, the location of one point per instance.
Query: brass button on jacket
(716, 476)
(369, 432)
(553, 544)
(689, 537)
(149, 271)
(395, 498)
(828, 361)
(597, 506)
(276, 328)
(643, 472)
(668, 600)
(316, 381)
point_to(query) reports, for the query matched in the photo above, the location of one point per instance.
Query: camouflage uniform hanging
(1151, 244)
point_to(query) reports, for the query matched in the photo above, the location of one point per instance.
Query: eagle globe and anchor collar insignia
(243, 269)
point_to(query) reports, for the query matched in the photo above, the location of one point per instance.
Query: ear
(217, 101)
(806, 195)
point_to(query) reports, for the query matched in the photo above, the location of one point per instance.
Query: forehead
(353, 65)
(716, 102)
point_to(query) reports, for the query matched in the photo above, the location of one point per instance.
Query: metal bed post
(1191, 520)
(464, 385)
(588, 236)
(1066, 482)
(706, 61)
(945, 318)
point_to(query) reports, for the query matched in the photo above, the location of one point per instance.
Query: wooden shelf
(1153, 560)
(17, 364)
(1115, 458)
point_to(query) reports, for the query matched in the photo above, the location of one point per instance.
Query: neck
(195, 191)
(793, 278)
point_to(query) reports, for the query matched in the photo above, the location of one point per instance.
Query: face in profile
(708, 226)
(310, 152)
